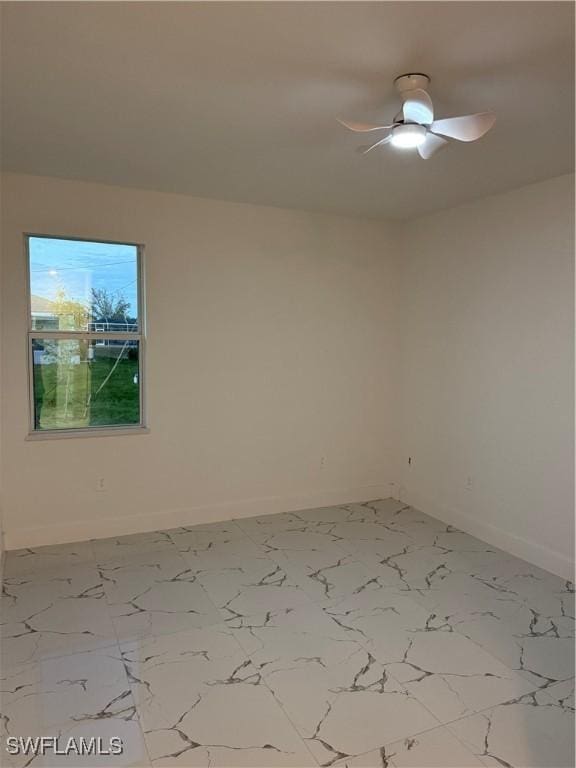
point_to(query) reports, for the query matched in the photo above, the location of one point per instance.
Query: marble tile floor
(361, 635)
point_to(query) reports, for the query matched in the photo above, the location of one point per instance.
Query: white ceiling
(238, 100)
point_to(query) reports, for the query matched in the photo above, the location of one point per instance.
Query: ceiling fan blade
(380, 143)
(467, 128)
(362, 127)
(431, 145)
(417, 107)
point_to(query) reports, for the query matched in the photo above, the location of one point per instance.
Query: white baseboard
(82, 530)
(537, 554)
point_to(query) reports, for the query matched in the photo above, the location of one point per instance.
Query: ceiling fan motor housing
(411, 82)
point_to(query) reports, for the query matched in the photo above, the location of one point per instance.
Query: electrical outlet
(322, 463)
(101, 484)
(469, 483)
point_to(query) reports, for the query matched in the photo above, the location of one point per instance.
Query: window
(85, 334)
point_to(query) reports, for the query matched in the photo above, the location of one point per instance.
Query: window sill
(67, 434)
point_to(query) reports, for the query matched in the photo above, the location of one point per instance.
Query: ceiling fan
(414, 126)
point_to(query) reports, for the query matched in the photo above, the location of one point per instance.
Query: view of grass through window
(85, 335)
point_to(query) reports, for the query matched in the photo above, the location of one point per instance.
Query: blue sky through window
(77, 266)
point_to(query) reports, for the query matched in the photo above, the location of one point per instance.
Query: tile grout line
(119, 651)
(279, 705)
(136, 712)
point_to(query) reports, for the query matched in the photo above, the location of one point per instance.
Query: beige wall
(271, 346)
(277, 338)
(488, 366)
(1, 399)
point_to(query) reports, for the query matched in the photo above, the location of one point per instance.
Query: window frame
(140, 336)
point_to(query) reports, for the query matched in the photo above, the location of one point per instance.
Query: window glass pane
(85, 383)
(77, 285)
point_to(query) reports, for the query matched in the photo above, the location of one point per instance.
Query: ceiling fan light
(408, 136)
